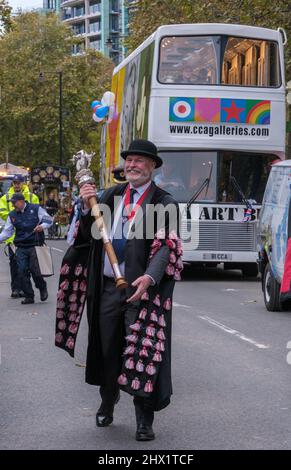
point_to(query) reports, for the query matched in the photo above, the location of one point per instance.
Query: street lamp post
(60, 73)
(60, 76)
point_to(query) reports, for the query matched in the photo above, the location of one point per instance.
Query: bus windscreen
(183, 173)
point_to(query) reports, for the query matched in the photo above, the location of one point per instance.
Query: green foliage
(148, 15)
(29, 111)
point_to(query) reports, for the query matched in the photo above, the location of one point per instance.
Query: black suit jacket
(136, 264)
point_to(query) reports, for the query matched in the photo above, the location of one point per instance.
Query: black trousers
(27, 264)
(115, 317)
(15, 284)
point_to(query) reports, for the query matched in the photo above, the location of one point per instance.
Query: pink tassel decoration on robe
(73, 297)
(65, 284)
(150, 369)
(161, 334)
(65, 269)
(129, 363)
(160, 346)
(142, 314)
(78, 270)
(132, 338)
(70, 342)
(139, 366)
(135, 384)
(148, 388)
(143, 352)
(146, 342)
(150, 330)
(122, 380)
(75, 285)
(157, 301)
(162, 321)
(167, 304)
(154, 316)
(157, 357)
(136, 326)
(129, 350)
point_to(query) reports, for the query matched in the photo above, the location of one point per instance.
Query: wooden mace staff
(84, 175)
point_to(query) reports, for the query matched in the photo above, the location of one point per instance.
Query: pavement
(231, 377)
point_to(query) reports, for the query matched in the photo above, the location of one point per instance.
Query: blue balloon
(102, 111)
(95, 103)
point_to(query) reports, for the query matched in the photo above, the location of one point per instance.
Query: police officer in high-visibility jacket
(28, 221)
(18, 186)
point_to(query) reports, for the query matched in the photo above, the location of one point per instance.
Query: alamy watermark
(144, 225)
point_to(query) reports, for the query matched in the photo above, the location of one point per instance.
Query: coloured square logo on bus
(258, 112)
(207, 109)
(182, 109)
(233, 110)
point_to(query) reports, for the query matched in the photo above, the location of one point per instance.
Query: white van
(273, 233)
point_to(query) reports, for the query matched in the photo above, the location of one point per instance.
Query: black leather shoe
(104, 416)
(103, 420)
(15, 294)
(27, 300)
(144, 432)
(43, 294)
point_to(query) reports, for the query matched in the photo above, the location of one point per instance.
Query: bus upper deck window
(215, 60)
(188, 60)
(250, 62)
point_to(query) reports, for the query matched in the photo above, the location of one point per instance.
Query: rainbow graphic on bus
(258, 112)
(213, 110)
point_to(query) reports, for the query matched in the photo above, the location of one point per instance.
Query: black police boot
(43, 294)
(15, 294)
(27, 300)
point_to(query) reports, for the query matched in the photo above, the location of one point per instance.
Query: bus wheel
(271, 290)
(250, 269)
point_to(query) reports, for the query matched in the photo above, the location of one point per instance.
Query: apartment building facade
(99, 24)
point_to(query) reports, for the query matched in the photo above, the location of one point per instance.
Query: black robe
(85, 260)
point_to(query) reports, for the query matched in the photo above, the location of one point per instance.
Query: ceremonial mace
(84, 175)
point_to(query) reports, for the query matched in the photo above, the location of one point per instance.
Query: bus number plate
(217, 256)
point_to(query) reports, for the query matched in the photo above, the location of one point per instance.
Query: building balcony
(91, 34)
(92, 14)
(68, 3)
(73, 19)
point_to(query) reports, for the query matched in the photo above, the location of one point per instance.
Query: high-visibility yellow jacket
(6, 205)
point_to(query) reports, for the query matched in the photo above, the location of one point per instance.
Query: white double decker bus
(212, 98)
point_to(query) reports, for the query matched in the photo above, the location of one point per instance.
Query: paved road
(232, 383)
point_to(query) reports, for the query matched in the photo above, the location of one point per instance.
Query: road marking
(180, 305)
(58, 249)
(236, 333)
(38, 338)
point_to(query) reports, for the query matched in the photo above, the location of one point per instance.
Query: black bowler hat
(17, 197)
(144, 148)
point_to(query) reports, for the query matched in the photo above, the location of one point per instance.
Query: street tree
(5, 17)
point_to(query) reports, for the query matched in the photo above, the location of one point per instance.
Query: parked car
(273, 233)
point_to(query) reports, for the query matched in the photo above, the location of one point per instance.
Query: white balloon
(108, 98)
(96, 118)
